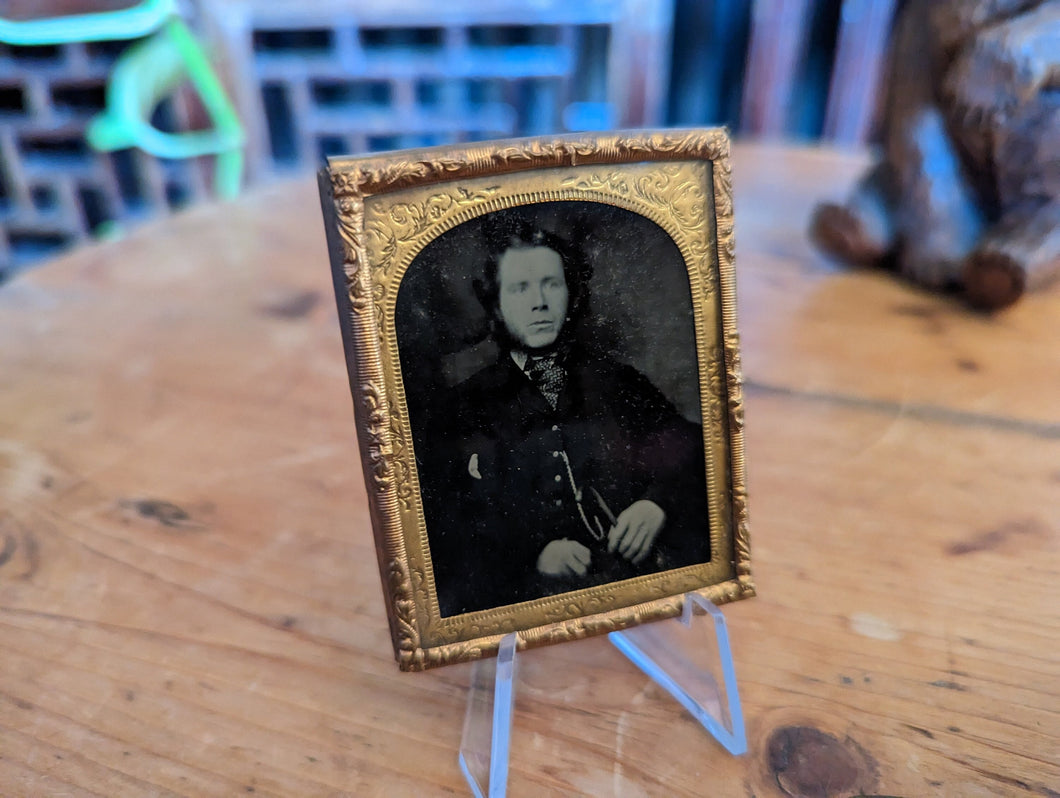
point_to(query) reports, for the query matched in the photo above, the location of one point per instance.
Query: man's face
(533, 295)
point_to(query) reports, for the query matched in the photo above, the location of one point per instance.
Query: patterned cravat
(547, 375)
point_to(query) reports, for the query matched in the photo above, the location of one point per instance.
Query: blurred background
(100, 100)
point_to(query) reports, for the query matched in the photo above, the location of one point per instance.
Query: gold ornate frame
(380, 211)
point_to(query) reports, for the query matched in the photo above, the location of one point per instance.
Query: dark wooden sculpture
(966, 193)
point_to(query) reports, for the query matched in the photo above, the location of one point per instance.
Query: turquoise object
(143, 76)
(128, 23)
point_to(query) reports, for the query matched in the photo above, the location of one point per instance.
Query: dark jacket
(501, 466)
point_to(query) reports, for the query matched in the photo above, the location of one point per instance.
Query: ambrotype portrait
(554, 409)
(541, 342)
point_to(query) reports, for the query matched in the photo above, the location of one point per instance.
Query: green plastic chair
(146, 74)
(143, 76)
(127, 23)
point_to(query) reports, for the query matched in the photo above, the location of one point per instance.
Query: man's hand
(635, 530)
(564, 558)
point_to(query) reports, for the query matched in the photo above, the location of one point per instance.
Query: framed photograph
(542, 349)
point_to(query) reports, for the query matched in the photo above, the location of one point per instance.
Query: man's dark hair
(505, 230)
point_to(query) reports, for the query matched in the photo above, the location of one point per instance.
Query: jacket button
(555, 427)
(555, 454)
(559, 478)
(558, 502)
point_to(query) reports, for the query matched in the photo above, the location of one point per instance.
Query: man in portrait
(556, 467)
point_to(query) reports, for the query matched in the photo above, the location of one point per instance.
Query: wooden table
(189, 600)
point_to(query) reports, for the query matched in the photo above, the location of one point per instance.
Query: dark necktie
(547, 375)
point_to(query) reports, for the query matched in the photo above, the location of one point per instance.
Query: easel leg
(681, 656)
(683, 659)
(488, 722)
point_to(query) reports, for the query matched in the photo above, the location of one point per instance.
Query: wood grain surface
(189, 600)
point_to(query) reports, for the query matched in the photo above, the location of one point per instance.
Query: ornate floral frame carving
(380, 211)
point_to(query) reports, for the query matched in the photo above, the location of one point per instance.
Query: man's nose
(540, 302)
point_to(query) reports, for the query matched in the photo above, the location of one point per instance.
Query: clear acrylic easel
(684, 657)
